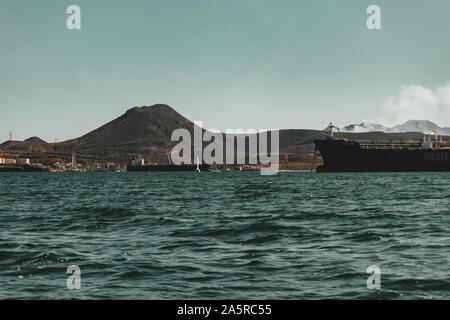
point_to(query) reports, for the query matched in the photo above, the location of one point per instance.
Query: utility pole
(10, 135)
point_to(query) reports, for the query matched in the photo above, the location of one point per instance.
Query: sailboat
(198, 165)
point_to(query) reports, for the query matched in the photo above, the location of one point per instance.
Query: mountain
(35, 140)
(141, 130)
(420, 126)
(30, 145)
(25, 147)
(408, 126)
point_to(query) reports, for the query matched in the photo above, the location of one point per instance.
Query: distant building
(19, 161)
(138, 161)
(23, 161)
(58, 166)
(10, 161)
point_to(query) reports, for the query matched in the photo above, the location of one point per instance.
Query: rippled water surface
(224, 235)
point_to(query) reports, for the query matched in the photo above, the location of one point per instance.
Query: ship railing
(396, 145)
(390, 145)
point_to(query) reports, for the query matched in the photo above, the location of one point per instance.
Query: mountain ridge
(147, 131)
(408, 126)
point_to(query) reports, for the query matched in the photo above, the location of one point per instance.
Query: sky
(231, 64)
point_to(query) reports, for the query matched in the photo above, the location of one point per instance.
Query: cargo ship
(138, 165)
(343, 155)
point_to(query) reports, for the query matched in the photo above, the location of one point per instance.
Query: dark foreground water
(224, 235)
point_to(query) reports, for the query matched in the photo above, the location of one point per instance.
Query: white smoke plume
(419, 103)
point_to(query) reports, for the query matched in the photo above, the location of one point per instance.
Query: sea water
(227, 235)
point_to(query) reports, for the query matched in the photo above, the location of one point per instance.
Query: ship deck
(398, 145)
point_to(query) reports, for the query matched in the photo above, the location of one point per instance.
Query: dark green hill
(30, 145)
(153, 125)
(35, 140)
(141, 130)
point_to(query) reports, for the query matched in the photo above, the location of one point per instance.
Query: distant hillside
(153, 124)
(408, 126)
(147, 131)
(30, 145)
(35, 140)
(141, 130)
(420, 126)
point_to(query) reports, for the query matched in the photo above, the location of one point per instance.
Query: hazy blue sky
(230, 63)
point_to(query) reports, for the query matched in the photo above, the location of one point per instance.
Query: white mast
(74, 160)
(331, 127)
(198, 164)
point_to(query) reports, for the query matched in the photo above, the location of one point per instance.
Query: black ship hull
(349, 156)
(168, 167)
